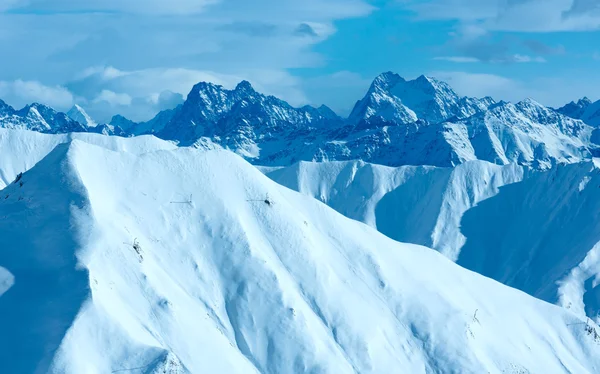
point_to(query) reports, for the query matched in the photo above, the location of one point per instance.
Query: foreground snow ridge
(172, 261)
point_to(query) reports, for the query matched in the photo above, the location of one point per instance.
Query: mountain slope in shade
(547, 244)
(584, 109)
(172, 260)
(77, 113)
(535, 231)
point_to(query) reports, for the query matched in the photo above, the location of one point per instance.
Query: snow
(546, 239)
(171, 259)
(79, 114)
(535, 231)
(416, 204)
(20, 150)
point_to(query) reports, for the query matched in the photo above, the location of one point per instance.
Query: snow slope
(170, 261)
(546, 236)
(77, 113)
(414, 204)
(20, 150)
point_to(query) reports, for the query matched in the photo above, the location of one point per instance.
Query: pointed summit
(395, 99)
(6, 109)
(244, 86)
(78, 114)
(385, 81)
(575, 109)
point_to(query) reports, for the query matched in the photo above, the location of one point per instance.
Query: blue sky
(137, 57)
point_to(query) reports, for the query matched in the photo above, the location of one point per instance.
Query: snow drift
(173, 261)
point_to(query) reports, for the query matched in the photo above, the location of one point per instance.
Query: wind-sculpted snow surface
(193, 261)
(541, 236)
(20, 150)
(535, 231)
(414, 204)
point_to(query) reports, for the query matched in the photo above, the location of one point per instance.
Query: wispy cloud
(157, 46)
(514, 15)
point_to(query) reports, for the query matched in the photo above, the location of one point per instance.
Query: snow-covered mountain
(77, 113)
(241, 118)
(193, 261)
(547, 242)
(584, 109)
(38, 117)
(535, 231)
(393, 99)
(20, 150)
(414, 204)
(398, 122)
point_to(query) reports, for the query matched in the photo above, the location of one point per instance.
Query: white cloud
(551, 91)
(19, 93)
(139, 94)
(457, 59)
(514, 15)
(113, 98)
(525, 58)
(125, 6)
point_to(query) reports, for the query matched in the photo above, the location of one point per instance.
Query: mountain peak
(5, 108)
(244, 86)
(386, 80)
(79, 114)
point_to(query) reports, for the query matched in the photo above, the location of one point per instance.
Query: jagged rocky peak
(584, 109)
(386, 81)
(6, 109)
(244, 86)
(122, 122)
(392, 98)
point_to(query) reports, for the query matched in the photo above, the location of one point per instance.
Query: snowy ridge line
(228, 285)
(398, 122)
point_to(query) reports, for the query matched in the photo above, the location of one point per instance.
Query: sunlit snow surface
(130, 258)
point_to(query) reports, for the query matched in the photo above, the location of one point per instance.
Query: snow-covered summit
(392, 98)
(193, 261)
(77, 113)
(398, 122)
(239, 116)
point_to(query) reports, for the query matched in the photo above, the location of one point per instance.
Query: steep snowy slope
(413, 204)
(20, 150)
(171, 261)
(77, 113)
(545, 240)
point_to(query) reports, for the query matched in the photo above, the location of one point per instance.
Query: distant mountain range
(398, 122)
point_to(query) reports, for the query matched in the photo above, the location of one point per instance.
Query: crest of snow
(174, 259)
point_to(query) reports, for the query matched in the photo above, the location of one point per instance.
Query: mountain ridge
(398, 122)
(289, 286)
